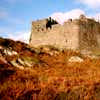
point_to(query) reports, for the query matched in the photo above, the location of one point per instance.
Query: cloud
(73, 14)
(3, 29)
(97, 17)
(91, 3)
(59, 17)
(23, 36)
(63, 17)
(20, 36)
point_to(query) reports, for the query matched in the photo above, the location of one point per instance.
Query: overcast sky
(16, 15)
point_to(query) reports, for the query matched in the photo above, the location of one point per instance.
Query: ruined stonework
(80, 33)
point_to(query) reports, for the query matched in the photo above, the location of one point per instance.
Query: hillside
(46, 73)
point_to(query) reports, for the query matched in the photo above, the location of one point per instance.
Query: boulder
(75, 59)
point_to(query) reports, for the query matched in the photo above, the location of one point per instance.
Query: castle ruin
(82, 33)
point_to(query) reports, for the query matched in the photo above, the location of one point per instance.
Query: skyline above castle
(16, 15)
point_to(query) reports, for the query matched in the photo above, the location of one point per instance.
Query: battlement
(73, 34)
(42, 24)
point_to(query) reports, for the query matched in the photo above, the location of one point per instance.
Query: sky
(16, 16)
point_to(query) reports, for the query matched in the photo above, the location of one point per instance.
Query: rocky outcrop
(75, 59)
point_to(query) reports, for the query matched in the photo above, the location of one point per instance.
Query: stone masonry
(82, 33)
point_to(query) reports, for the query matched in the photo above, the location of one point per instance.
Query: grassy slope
(51, 78)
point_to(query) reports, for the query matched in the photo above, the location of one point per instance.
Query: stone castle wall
(61, 36)
(89, 34)
(76, 34)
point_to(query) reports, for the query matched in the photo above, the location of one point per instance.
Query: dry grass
(54, 78)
